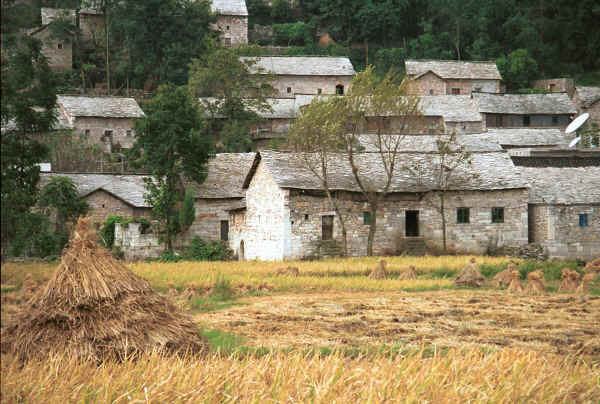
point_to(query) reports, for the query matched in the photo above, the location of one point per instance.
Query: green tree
(187, 214)
(28, 101)
(171, 145)
(60, 194)
(518, 69)
(160, 37)
(375, 99)
(237, 94)
(316, 138)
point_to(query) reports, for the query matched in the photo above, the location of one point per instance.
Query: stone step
(415, 246)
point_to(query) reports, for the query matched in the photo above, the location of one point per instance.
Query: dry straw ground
(334, 335)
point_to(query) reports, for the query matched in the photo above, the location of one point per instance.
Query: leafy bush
(199, 250)
(169, 256)
(34, 238)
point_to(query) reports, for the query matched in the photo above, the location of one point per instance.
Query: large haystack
(503, 278)
(470, 276)
(95, 308)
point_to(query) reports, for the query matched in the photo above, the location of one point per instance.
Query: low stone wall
(136, 245)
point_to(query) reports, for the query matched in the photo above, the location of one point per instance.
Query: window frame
(455, 91)
(497, 219)
(460, 215)
(584, 220)
(366, 218)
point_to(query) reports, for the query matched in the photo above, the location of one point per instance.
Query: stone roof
(473, 143)
(226, 174)
(452, 69)
(103, 107)
(128, 188)
(529, 104)
(50, 14)
(453, 108)
(527, 137)
(488, 171)
(302, 65)
(229, 7)
(588, 95)
(62, 123)
(562, 185)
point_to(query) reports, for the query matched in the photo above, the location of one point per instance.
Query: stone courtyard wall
(135, 245)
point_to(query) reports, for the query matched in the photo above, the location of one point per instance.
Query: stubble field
(334, 335)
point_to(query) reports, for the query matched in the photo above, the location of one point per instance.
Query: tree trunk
(372, 227)
(443, 213)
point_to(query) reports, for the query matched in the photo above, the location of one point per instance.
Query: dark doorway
(327, 228)
(241, 253)
(224, 230)
(412, 223)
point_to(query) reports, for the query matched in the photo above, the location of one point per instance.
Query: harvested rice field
(445, 319)
(333, 335)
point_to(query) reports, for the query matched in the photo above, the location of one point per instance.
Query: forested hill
(562, 37)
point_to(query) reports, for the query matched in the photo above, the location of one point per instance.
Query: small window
(289, 90)
(497, 215)
(305, 217)
(227, 42)
(319, 90)
(128, 133)
(430, 92)
(107, 136)
(224, 230)
(552, 85)
(228, 28)
(59, 46)
(526, 120)
(462, 215)
(327, 227)
(554, 120)
(456, 91)
(339, 89)
(477, 89)
(367, 218)
(583, 220)
(87, 132)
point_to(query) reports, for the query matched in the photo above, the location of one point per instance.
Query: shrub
(199, 250)
(169, 256)
(222, 288)
(34, 238)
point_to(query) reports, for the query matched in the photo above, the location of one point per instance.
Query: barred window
(497, 215)
(462, 215)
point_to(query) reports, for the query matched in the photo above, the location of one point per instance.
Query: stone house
(562, 85)
(108, 194)
(525, 110)
(564, 210)
(439, 77)
(287, 215)
(453, 112)
(106, 121)
(306, 74)
(221, 191)
(58, 52)
(587, 100)
(232, 21)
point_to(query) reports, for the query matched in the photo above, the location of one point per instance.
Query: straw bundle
(586, 283)
(379, 272)
(288, 271)
(515, 283)
(593, 266)
(470, 276)
(570, 281)
(535, 284)
(410, 274)
(503, 278)
(95, 308)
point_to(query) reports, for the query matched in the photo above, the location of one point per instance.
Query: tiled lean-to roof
(487, 171)
(226, 174)
(530, 104)
(302, 65)
(452, 69)
(562, 185)
(102, 107)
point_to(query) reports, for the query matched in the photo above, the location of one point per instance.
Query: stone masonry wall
(122, 131)
(477, 236)
(135, 245)
(566, 239)
(232, 28)
(465, 127)
(102, 205)
(538, 223)
(428, 84)
(59, 53)
(309, 84)
(266, 220)
(209, 214)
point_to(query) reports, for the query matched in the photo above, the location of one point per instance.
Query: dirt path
(552, 323)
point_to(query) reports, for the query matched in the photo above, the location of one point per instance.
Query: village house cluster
(524, 184)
